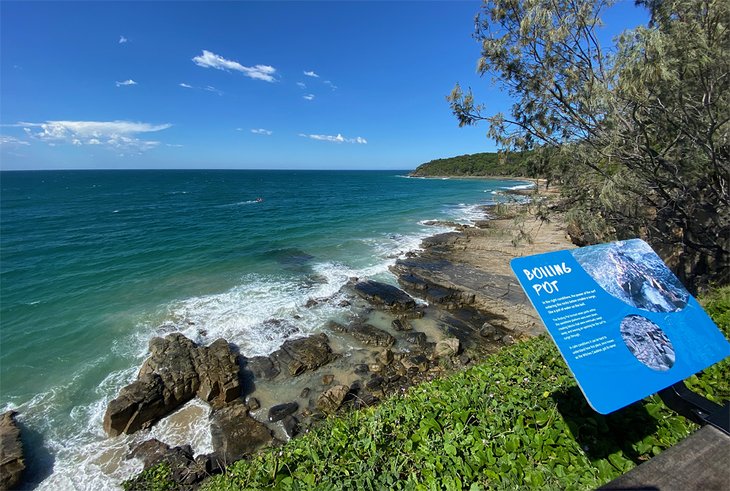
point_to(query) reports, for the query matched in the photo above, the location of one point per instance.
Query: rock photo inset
(647, 342)
(631, 271)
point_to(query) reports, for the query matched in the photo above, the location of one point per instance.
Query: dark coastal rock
(12, 460)
(262, 367)
(416, 362)
(331, 399)
(382, 294)
(401, 325)
(281, 411)
(218, 371)
(297, 356)
(371, 335)
(252, 403)
(235, 434)
(186, 471)
(446, 347)
(291, 427)
(176, 371)
(365, 333)
(417, 338)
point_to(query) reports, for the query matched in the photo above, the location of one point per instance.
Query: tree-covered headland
(637, 133)
(476, 164)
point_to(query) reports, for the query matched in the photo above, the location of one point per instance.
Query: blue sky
(321, 85)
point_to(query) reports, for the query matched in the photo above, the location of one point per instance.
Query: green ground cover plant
(516, 421)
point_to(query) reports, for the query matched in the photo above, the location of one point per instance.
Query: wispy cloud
(210, 88)
(11, 141)
(311, 74)
(261, 131)
(183, 84)
(126, 82)
(309, 97)
(330, 84)
(212, 60)
(122, 40)
(336, 139)
(302, 85)
(121, 135)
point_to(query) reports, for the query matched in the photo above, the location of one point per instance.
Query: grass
(517, 421)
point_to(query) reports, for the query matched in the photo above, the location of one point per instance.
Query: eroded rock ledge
(12, 460)
(176, 371)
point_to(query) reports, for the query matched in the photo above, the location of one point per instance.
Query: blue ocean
(93, 264)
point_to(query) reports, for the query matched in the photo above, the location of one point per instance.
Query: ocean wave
(518, 187)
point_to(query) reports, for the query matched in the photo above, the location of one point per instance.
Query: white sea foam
(520, 186)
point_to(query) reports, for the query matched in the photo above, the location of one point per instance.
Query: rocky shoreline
(457, 302)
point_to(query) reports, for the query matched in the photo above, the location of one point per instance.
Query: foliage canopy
(639, 133)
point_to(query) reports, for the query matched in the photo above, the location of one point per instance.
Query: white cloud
(126, 82)
(183, 84)
(311, 74)
(330, 84)
(212, 60)
(302, 85)
(336, 139)
(115, 134)
(210, 88)
(11, 141)
(308, 97)
(261, 131)
(122, 40)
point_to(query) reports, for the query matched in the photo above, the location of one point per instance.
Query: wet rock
(365, 333)
(186, 471)
(446, 348)
(217, 368)
(375, 384)
(488, 330)
(384, 357)
(365, 399)
(382, 294)
(297, 356)
(328, 379)
(311, 303)
(305, 393)
(361, 369)
(290, 424)
(12, 460)
(417, 338)
(252, 403)
(331, 399)
(176, 371)
(415, 363)
(401, 325)
(235, 434)
(262, 367)
(281, 411)
(371, 335)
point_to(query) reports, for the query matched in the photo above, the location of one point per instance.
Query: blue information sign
(622, 321)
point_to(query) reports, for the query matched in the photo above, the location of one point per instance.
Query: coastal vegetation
(637, 133)
(477, 164)
(517, 420)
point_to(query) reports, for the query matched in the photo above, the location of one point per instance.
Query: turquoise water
(95, 264)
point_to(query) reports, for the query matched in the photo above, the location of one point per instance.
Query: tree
(642, 130)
